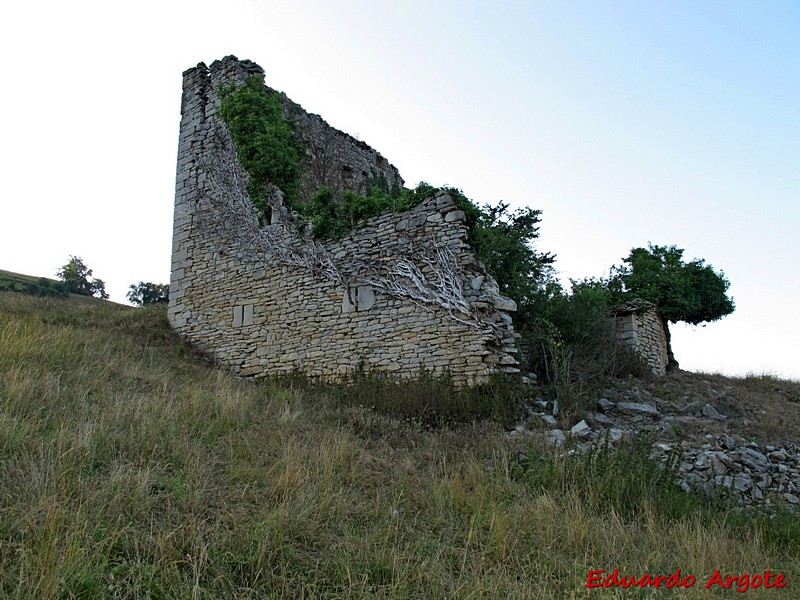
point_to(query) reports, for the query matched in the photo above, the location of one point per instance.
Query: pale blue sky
(625, 122)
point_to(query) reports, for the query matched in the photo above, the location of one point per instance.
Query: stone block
(455, 215)
(503, 303)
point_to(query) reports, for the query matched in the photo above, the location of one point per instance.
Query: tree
(503, 241)
(692, 291)
(76, 275)
(146, 293)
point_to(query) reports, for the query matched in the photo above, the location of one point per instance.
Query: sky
(625, 122)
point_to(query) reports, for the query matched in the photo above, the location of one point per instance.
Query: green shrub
(266, 143)
(325, 215)
(570, 341)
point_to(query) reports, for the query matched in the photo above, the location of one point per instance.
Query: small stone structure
(639, 325)
(400, 294)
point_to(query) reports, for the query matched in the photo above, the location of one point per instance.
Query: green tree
(145, 293)
(692, 292)
(78, 279)
(503, 241)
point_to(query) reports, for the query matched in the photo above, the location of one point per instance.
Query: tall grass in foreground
(131, 469)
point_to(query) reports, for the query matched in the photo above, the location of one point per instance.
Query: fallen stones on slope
(719, 464)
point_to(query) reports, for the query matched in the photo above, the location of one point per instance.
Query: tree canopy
(146, 292)
(692, 292)
(76, 275)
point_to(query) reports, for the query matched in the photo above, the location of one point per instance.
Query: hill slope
(131, 468)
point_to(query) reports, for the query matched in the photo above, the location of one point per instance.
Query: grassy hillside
(26, 284)
(129, 468)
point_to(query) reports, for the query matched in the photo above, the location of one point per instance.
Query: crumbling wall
(400, 294)
(639, 325)
(336, 159)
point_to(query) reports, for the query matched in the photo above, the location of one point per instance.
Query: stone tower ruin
(400, 294)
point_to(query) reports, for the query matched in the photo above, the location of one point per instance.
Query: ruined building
(400, 294)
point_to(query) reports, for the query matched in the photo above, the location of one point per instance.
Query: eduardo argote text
(600, 578)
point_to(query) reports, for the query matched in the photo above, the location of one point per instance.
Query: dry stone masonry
(639, 325)
(402, 293)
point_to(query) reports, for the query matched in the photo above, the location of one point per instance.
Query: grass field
(130, 468)
(26, 284)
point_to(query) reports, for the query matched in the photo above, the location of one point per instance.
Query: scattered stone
(753, 459)
(615, 435)
(541, 404)
(742, 483)
(605, 404)
(712, 413)
(778, 455)
(518, 430)
(638, 409)
(549, 420)
(709, 462)
(601, 419)
(581, 429)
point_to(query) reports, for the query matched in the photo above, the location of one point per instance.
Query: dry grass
(763, 407)
(131, 469)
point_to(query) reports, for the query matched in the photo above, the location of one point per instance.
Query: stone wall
(639, 325)
(400, 294)
(336, 159)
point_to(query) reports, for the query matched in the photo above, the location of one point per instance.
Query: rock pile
(715, 464)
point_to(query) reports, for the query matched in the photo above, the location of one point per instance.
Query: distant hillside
(131, 468)
(27, 284)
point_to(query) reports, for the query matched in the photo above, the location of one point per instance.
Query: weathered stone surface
(455, 215)
(581, 429)
(638, 408)
(712, 413)
(503, 303)
(605, 404)
(254, 291)
(555, 437)
(549, 420)
(639, 325)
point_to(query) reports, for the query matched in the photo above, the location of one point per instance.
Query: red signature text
(599, 578)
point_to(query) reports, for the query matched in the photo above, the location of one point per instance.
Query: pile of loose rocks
(712, 460)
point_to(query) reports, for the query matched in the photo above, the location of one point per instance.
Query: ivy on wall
(266, 143)
(332, 219)
(271, 152)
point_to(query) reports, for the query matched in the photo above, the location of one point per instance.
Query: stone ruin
(639, 325)
(401, 294)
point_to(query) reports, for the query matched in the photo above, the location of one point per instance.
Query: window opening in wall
(242, 315)
(358, 298)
